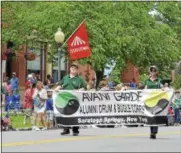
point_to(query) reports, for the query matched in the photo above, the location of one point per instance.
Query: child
(49, 110)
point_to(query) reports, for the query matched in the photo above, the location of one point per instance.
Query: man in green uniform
(72, 82)
(153, 82)
(176, 105)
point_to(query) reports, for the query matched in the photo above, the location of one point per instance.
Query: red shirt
(170, 110)
(7, 87)
(28, 101)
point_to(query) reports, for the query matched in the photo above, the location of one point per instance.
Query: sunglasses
(153, 70)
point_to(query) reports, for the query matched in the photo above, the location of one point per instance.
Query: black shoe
(65, 132)
(152, 136)
(75, 134)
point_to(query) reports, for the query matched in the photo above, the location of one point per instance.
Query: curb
(56, 128)
(30, 129)
(24, 129)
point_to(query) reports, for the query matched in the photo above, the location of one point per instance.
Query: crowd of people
(38, 102)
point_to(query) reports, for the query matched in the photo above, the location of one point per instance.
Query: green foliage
(177, 82)
(115, 75)
(143, 77)
(119, 31)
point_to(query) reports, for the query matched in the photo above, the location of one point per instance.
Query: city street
(94, 140)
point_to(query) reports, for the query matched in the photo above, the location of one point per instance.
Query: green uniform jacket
(156, 84)
(74, 83)
(177, 102)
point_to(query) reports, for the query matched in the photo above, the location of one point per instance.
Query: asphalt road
(94, 140)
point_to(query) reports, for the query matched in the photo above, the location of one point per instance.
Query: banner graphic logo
(66, 103)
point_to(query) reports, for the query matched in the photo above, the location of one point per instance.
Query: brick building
(17, 63)
(129, 73)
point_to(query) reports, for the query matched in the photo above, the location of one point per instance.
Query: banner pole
(72, 33)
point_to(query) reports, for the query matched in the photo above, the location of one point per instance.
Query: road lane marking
(62, 139)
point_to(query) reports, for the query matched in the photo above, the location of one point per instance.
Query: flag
(78, 43)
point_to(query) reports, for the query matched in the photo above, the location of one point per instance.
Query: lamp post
(59, 38)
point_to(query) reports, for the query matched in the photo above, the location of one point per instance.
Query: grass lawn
(17, 121)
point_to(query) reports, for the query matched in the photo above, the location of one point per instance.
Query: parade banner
(80, 108)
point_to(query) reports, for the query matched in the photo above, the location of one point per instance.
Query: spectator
(110, 84)
(39, 97)
(29, 78)
(33, 78)
(14, 83)
(132, 83)
(7, 85)
(34, 115)
(119, 87)
(8, 97)
(46, 85)
(38, 77)
(49, 110)
(90, 86)
(103, 86)
(5, 122)
(28, 102)
(166, 86)
(9, 102)
(125, 87)
(3, 94)
(176, 107)
(49, 80)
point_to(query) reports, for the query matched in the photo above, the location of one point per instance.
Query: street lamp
(59, 38)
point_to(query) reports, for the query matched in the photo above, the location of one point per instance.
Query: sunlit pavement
(94, 140)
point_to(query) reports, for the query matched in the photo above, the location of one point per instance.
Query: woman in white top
(39, 98)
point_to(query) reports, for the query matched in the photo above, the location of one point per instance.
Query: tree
(177, 82)
(118, 31)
